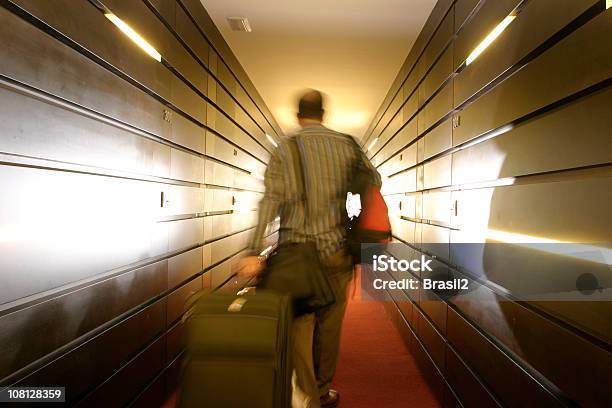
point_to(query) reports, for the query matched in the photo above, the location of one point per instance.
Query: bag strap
(298, 162)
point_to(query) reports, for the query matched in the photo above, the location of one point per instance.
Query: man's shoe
(331, 399)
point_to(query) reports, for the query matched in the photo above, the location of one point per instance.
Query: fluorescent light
(372, 144)
(495, 133)
(272, 140)
(134, 36)
(490, 38)
(608, 4)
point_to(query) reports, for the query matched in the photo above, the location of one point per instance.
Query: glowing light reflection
(372, 144)
(579, 251)
(134, 36)
(271, 140)
(490, 38)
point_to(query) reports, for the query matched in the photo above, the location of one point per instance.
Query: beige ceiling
(349, 49)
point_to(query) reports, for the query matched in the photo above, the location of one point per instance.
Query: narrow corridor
(135, 143)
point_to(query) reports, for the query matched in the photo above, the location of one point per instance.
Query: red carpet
(375, 367)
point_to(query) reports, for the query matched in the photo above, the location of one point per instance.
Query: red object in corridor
(375, 215)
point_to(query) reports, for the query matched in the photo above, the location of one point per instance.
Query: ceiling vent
(239, 24)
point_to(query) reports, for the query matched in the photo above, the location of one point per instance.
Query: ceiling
(349, 49)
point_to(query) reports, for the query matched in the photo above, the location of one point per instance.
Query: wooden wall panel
(185, 233)
(534, 87)
(434, 343)
(526, 148)
(437, 206)
(183, 200)
(122, 180)
(225, 58)
(437, 173)
(99, 35)
(410, 106)
(401, 83)
(32, 126)
(38, 60)
(189, 33)
(176, 303)
(82, 218)
(118, 390)
(99, 358)
(516, 42)
(463, 10)
(144, 21)
(527, 209)
(438, 140)
(74, 314)
(469, 389)
(440, 39)
(154, 392)
(524, 154)
(484, 20)
(186, 167)
(168, 11)
(438, 74)
(183, 266)
(185, 132)
(175, 341)
(489, 360)
(436, 109)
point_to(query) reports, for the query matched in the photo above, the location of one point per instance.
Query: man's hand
(250, 266)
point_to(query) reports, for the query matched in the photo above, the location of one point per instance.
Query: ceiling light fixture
(272, 140)
(239, 24)
(496, 32)
(134, 36)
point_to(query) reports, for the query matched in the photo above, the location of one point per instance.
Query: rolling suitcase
(238, 351)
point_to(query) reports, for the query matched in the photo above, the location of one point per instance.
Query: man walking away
(327, 158)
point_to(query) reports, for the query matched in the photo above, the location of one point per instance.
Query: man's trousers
(328, 322)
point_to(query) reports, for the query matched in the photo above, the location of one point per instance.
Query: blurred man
(327, 159)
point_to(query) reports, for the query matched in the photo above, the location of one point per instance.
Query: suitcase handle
(246, 290)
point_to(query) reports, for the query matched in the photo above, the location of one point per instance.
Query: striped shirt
(318, 215)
